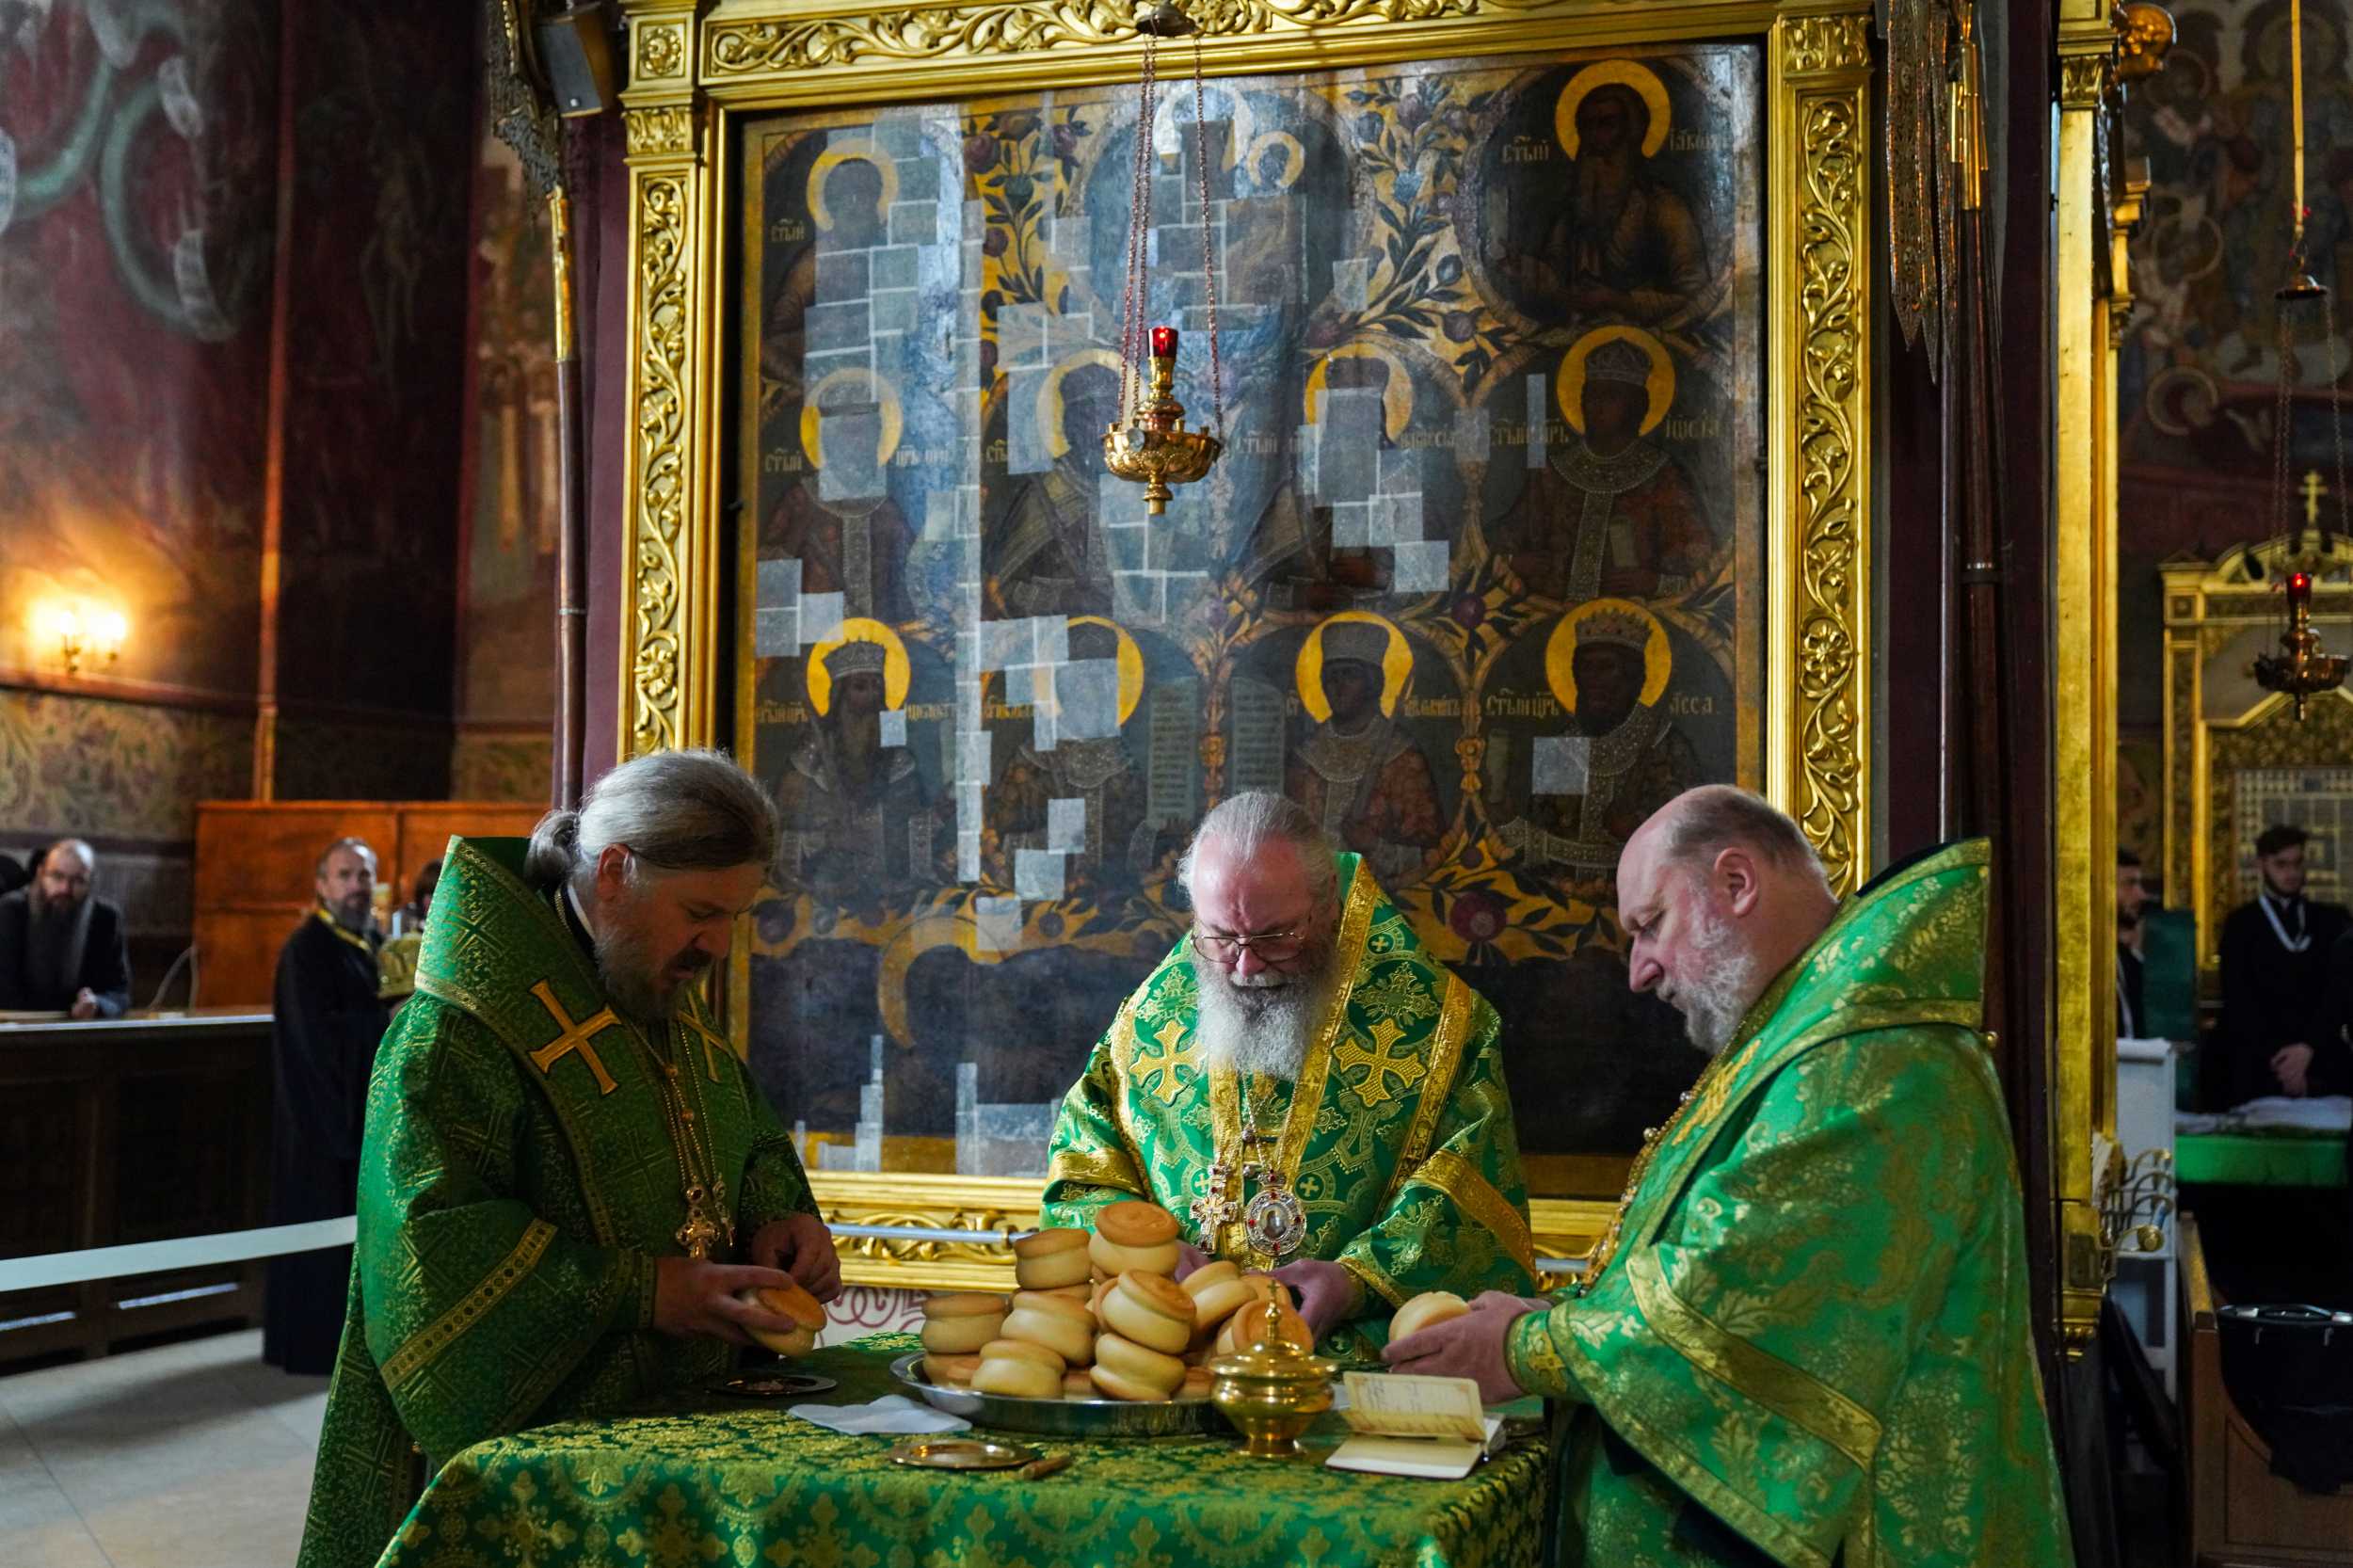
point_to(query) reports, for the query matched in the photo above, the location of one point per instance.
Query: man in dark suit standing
(329, 1018)
(61, 949)
(2274, 951)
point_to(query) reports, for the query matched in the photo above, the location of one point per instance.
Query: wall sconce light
(86, 634)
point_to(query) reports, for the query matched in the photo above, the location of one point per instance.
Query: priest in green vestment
(567, 1174)
(1804, 1337)
(1304, 1088)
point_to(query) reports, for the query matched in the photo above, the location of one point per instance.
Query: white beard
(1252, 1026)
(1713, 1004)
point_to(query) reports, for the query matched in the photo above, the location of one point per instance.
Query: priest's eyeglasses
(1274, 947)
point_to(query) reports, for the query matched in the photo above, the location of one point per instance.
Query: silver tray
(1062, 1418)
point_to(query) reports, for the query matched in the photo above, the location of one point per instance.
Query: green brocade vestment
(1814, 1333)
(1397, 1138)
(519, 1174)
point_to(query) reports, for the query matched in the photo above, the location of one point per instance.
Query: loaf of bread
(1050, 1259)
(786, 1300)
(1427, 1310)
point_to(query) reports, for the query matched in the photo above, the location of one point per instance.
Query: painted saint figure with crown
(1607, 662)
(1611, 513)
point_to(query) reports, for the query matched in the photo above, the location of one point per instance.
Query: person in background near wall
(329, 1020)
(2273, 951)
(410, 916)
(2130, 970)
(62, 949)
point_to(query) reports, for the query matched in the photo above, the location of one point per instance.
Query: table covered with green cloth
(712, 1481)
(2261, 1158)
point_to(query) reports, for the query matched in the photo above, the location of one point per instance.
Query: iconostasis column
(669, 606)
(2082, 756)
(1818, 675)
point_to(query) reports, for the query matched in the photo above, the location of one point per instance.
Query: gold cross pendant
(697, 1234)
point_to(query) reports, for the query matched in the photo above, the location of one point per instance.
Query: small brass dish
(960, 1453)
(775, 1386)
(1272, 1391)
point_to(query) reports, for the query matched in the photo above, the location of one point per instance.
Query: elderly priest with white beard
(1304, 1087)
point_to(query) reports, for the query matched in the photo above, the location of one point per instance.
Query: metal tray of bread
(1061, 1418)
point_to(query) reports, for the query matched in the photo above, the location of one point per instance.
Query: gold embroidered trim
(425, 1346)
(1685, 1469)
(1368, 1274)
(1123, 1029)
(1355, 920)
(1791, 1392)
(1095, 1168)
(1450, 1173)
(1534, 1361)
(1437, 1090)
(1225, 1133)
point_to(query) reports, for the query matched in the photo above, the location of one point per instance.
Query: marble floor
(192, 1455)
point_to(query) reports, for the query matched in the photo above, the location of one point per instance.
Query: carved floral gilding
(1819, 44)
(1558, 1228)
(667, 129)
(658, 433)
(2082, 80)
(744, 48)
(1831, 679)
(660, 49)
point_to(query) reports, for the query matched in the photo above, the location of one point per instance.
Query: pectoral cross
(574, 1038)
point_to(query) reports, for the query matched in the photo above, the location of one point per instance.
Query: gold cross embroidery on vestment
(574, 1037)
(1379, 1066)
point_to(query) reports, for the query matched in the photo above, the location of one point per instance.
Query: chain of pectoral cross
(1221, 1204)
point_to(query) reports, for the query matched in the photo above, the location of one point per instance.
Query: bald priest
(1304, 1088)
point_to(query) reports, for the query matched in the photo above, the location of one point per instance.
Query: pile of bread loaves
(1101, 1314)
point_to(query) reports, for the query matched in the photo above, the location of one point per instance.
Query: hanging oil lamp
(1150, 444)
(2302, 669)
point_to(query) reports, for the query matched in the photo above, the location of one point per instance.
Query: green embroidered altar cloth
(713, 1481)
(2260, 1160)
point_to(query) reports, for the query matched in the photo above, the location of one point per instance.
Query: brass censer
(1273, 1391)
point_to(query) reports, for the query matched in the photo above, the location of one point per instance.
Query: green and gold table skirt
(2260, 1160)
(719, 1482)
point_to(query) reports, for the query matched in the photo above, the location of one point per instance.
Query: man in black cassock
(328, 1021)
(61, 946)
(2274, 955)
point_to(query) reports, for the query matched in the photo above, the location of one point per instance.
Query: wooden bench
(2241, 1515)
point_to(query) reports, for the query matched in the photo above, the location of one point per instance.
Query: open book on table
(1401, 1425)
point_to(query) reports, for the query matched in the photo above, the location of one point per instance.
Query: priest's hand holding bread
(691, 1297)
(1437, 1335)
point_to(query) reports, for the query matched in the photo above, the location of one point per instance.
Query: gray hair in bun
(672, 810)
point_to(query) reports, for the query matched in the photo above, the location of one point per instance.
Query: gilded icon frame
(693, 66)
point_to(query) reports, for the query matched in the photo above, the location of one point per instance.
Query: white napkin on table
(891, 1413)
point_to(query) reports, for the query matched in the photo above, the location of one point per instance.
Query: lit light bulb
(65, 621)
(114, 628)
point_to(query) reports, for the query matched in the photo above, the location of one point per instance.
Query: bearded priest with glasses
(1304, 1088)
